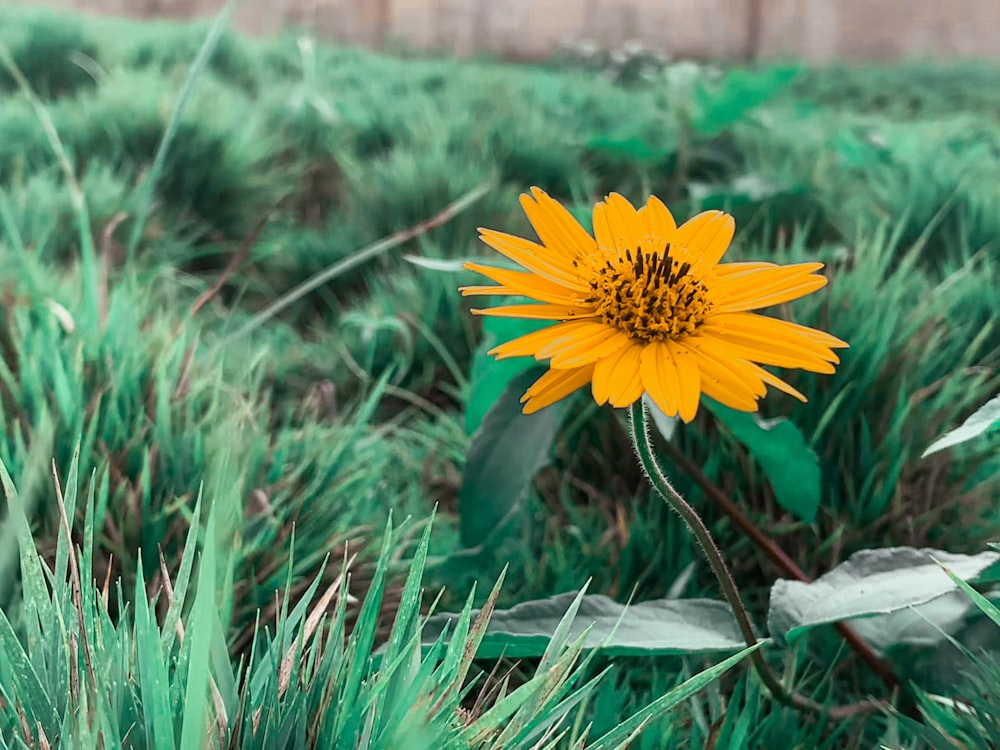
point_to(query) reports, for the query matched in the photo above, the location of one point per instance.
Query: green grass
(348, 404)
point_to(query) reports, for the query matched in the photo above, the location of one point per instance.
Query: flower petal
(738, 367)
(689, 380)
(535, 258)
(742, 267)
(781, 385)
(553, 386)
(767, 288)
(660, 378)
(626, 381)
(486, 290)
(523, 283)
(625, 220)
(723, 382)
(603, 370)
(529, 344)
(586, 347)
(555, 226)
(767, 352)
(777, 334)
(617, 225)
(708, 234)
(537, 312)
(736, 276)
(657, 221)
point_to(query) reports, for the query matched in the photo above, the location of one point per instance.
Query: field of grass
(233, 399)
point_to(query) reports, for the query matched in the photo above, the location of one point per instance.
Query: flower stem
(639, 433)
(780, 558)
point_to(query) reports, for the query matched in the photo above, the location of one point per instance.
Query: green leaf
(665, 425)
(154, 677)
(200, 633)
(632, 144)
(506, 452)
(489, 377)
(729, 100)
(870, 582)
(778, 447)
(146, 191)
(24, 679)
(983, 419)
(658, 627)
(920, 625)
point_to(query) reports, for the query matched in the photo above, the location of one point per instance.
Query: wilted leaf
(506, 452)
(779, 448)
(870, 582)
(984, 418)
(663, 626)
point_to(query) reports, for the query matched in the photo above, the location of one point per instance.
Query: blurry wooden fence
(811, 29)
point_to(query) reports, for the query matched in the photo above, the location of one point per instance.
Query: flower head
(645, 306)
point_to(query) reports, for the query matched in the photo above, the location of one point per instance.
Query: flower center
(650, 296)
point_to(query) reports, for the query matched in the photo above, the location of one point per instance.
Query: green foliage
(982, 420)
(871, 582)
(357, 391)
(59, 58)
(664, 626)
(488, 377)
(506, 452)
(79, 677)
(777, 445)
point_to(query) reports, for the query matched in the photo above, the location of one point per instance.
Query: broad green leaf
(870, 582)
(489, 377)
(778, 447)
(506, 452)
(662, 626)
(921, 625)
(984, 418)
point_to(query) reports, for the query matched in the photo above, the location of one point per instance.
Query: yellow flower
(645, 306)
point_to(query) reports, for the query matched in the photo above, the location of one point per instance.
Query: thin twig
(239, 257)
(361, 256)
(639, 433)
(780, 558)
(104, 265)
(312, 622)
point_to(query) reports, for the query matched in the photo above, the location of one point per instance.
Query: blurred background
(814, 30)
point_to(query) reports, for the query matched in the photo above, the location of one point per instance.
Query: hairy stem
(639, 433)
(778, 556)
